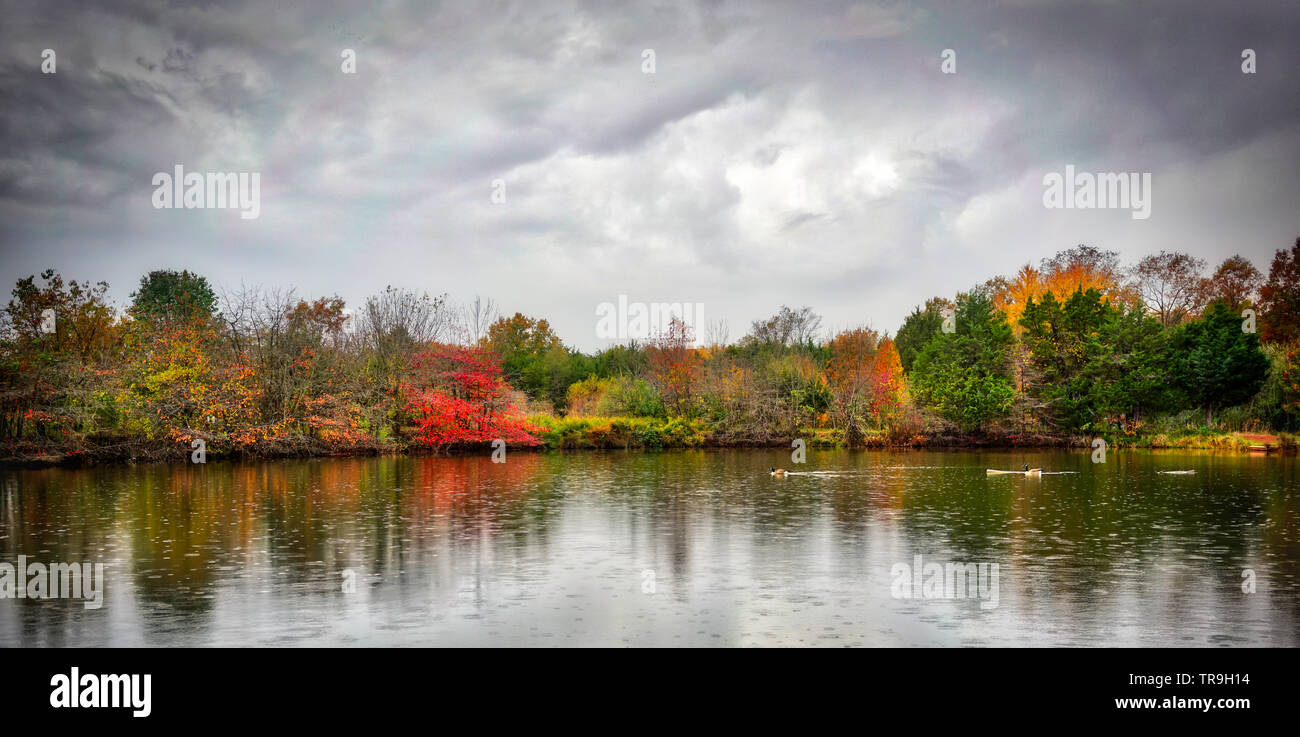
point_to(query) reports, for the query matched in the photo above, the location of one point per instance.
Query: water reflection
(555, 549)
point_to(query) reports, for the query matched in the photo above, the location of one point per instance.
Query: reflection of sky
(551, 549)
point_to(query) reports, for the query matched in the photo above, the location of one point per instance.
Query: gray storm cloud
(798, 153)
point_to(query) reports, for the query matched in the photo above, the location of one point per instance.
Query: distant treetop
(169, 294)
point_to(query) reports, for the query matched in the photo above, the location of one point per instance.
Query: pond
(856, 548)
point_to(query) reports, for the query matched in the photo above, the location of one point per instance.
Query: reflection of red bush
(459, 397)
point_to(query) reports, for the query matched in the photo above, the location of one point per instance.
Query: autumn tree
(533, 357)
(320, 320)
(458, 397)
(1279, 298)
(1011, 295)
(888, 391)
(50, 377)
(84, 323)
(1235, 283)
(1288, 376)
(1080, 268)
(1085, 267)
(510, 336)
(292, 346)
(851, 373)
(180, 385)
(673, 364)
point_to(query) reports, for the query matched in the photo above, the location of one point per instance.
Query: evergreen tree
(964, 375)
(1063, 340)
(1131, 375)
(917, 330)
(1221, 365)
(172, 295)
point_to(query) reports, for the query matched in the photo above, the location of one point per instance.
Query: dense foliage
(1077, 345)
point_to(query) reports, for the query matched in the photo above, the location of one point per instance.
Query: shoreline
(86, 456)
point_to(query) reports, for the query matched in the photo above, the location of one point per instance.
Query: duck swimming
(777, 471)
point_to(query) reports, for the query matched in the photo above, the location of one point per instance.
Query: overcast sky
(782, 153)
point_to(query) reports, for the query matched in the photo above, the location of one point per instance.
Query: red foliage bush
(459, 397)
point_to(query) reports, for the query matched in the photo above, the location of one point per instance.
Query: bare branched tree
(475, 318)
(787, 327)
(1170, 285)
(718, 333)
(398, 320)
(393, 326)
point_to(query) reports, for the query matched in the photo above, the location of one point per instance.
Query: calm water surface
(678, 548)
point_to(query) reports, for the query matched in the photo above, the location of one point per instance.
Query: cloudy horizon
(778, 154)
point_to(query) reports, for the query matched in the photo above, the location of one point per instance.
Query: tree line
(1076, 344)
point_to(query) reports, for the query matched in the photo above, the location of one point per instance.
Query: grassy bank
(642, 433)
(1207, 440)
(629, 433)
